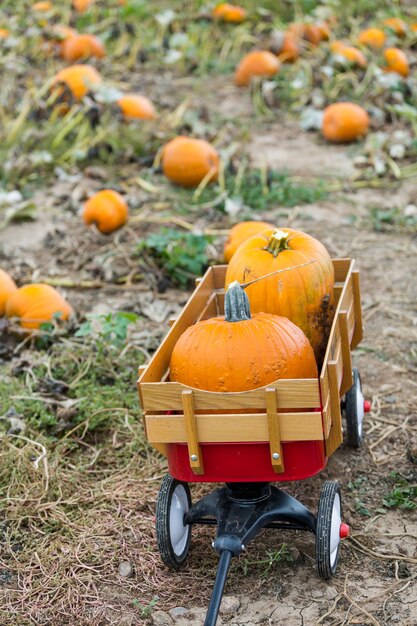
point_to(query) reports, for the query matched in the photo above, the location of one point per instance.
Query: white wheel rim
(335, 530)
(178, 532)
(360, 408)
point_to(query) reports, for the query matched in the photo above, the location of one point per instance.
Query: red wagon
(285, 431)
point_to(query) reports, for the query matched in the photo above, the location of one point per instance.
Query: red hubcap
(344, 531)
(366, 406)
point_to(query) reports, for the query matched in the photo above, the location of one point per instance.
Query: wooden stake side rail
(260, 415)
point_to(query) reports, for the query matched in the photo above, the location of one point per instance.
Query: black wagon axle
(240, 511)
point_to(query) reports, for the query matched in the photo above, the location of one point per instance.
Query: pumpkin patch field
(141, 143)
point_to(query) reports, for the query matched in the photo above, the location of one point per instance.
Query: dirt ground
(376, 580)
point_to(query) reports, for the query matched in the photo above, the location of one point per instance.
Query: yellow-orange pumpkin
(82, 5)
(186, 161)
(372, 37)
(7, 287)
(304, 295)
(36, 304)
(42, 6)
(308, 32)
(78, 47)
(133, 105)
(4, 33)
(397, 25)
(290, 50)
(241, 352)
(78, 79)
(350, 53)
(229, 13)
(107, 209)
(344, 122)
(258, 63)
(240, 233)
(396, 61)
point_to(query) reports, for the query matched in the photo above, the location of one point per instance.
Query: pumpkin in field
(135, 106)
(304, 294)
(82, 5)
(372, 38)
(4, 33)
(258, 63)
(78, 79)
(396, 61)
(186, 161)
(397, 25)
(42, 6)
(229, 13)
(324, 30)
(308, 32)
(413, 28)
(344, 122)
(107, 209)
(7, 287)
(240, 233)
(36, 304)
(241, 352)
(82, 47)
(350, 53)
(289, 50)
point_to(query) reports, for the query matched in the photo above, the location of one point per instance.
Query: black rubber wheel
(173, 536)
(354, 412)
(329, 518)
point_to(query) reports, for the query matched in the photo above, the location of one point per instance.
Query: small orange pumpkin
(42, 6)
(107, 209)
(78, 78)
(325, 31)
(413, 27)
(396, 61)
(259, 63)
(308, 32)
(372, 38)
(229, 13)
(304, 294)
(350, 53)
(186, 161)
(135, 106)
(290, 50)
(344, 122)
(241, 352)
(7, 287)
(240, 233)
(397, 25)
(4, 33)
(82, 47)
(82, 5)
(36, 304)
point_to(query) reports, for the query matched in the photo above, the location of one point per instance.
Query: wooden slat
(337, 290)
(160, 361)
(210, 310)
(335, 435)
(327, 419)
(275, 448)
(341, 268)
(243, 427)
(292, 394)
(347, 379)
(172, 321)
(358, 334)
(194, 451)
(219, 276)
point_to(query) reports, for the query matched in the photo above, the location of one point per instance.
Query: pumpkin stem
(278, 243)
(236, 304)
